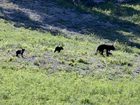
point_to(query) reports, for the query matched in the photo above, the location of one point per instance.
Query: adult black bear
(106, 47)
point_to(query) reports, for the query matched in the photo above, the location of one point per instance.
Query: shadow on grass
(46, 14)
(118, 9)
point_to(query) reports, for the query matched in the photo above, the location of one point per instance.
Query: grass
(78, 54)
(76, 76)
(80, 77)
(31, 87)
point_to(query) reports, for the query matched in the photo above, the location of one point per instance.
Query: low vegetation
(75, 76)
(32, 87)
(78, 55)
(83, 78)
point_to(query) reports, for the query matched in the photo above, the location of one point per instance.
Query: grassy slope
(30, 80)
(78, 54)
(23, 82)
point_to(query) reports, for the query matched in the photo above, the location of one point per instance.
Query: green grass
(78, 54)
(76, 76)
(78, 81)
(31, 87)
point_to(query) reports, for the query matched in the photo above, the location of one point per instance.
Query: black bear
(106, 47)
(20, 52)
(58, 49)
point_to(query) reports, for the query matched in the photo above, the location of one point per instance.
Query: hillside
(107, 21)
(75, 76)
